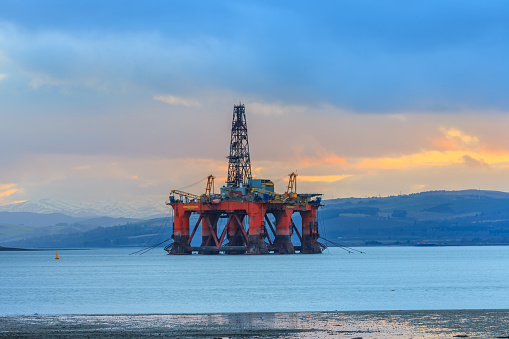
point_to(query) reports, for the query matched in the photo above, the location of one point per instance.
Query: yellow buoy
(56, 256)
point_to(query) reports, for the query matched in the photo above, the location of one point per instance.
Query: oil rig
(246, 204)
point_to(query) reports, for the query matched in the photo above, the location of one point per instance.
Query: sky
(126, 100)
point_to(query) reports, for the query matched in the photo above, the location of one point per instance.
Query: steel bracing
(248, 229)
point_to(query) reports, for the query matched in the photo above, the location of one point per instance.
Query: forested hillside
(437, 217)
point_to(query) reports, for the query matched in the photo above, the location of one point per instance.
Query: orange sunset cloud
(324, 178)
(455, 148)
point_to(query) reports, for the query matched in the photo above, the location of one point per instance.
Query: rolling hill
(468, 216)
(435, 217)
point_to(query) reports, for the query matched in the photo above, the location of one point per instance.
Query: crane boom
(185, 194)
(277, 195)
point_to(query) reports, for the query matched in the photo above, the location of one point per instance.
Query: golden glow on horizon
(323, 158)
(435, 158)
(456, 148)
(324, 178)
(441, 158)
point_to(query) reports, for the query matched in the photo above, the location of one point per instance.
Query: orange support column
(283, 242)
(180, 230)
(310, 234)
(256, 214)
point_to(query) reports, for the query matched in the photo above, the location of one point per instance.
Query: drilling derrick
(246, 204)
(239, 162)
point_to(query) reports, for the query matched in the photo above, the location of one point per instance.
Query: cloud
(3, 76)
(453, 133)
(457, 139)
(39, 81)
(435, 63)
(399, 117)
(7, 190)
(428, 158)
(172, 100)
(89, 91)
(321, 156)
(456, 147)
(474, 163)
(82, 167)
(6, 186)
(324, 178)
(434, 158)
(19, 201)
(274, 109)
(110, 177)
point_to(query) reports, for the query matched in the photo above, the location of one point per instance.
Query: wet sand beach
(374, 324)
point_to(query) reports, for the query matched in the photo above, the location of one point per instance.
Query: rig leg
(282, 242)
(310, 244)
(257, 244)
(180, 232)
(180, 245)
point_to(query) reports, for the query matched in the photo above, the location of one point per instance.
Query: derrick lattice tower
(239, 162)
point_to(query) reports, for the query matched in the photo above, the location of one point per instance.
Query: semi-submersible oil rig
(245, 203)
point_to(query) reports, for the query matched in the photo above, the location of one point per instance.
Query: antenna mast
(239, 162)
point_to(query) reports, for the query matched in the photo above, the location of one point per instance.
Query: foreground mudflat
(379, 324)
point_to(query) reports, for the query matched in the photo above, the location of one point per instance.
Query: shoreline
(18, 249)
(351, 324)
(254, 313)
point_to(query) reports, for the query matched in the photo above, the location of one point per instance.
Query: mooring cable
(146, 249)
(164, 222)
(164, 228)
(320, 216)
(348, 249)
(154, 246)
(341, 247)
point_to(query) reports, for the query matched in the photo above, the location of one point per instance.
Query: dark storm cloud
(360, 55)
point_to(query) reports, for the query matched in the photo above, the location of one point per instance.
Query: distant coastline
(16, 249)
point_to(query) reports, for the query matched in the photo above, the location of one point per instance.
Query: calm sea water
(386, 278)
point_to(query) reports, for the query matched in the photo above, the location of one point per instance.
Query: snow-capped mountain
(139, 209)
